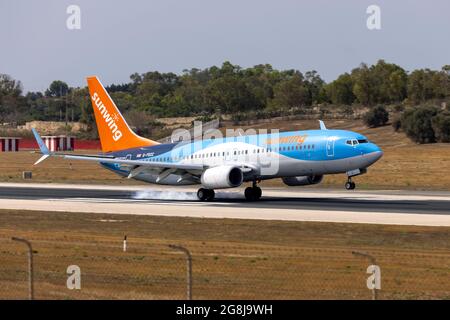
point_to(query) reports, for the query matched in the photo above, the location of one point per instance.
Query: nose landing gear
(350, 185)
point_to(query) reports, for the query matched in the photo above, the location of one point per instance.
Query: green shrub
(441, 127)
(376, 117)
(417, 124)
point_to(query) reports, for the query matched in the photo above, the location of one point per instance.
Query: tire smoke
(180, 195)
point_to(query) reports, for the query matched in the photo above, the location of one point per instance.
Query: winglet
(42, 147)
(322, 125)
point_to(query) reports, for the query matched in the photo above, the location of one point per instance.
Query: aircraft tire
(252, 193)
(211, 195)
(202, 194)
(350, 185)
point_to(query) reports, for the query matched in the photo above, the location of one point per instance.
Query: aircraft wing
(162, 169)
(110, 159)
(133, 162)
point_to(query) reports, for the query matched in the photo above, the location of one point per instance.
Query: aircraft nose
(377, 155)
(374, 154)
(376, 148)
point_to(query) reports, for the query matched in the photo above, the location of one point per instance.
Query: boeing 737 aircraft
(299, 158)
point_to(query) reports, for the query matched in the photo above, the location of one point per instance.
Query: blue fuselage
(287, 154)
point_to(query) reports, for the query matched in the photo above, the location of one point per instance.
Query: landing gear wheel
(211, 195)
(252, 193)
(205, 194)
(249, 194)
(349, 185)
(258, 192)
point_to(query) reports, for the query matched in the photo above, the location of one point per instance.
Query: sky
(118, 38)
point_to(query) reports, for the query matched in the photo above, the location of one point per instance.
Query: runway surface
(298, 204)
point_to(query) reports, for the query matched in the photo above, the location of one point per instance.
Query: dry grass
(232, 259)
(405, 165)
(12, 164)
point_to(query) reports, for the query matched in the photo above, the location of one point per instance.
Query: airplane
(299, 158)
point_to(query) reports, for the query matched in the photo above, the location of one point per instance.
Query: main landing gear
(350, 185)
(205, 194)
(253, 193)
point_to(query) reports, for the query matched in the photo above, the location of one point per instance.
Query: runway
(295, 204)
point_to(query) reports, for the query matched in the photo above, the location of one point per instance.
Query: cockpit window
(354, 142)
(363, 141)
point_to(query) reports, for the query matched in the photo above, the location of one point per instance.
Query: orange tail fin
(114, 132)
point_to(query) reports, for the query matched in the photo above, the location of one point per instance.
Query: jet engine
(302, 180)
(222, 177)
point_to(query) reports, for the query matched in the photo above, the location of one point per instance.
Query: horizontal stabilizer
(42, 147)
(45, 156)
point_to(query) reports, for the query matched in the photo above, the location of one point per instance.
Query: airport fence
(70, 268)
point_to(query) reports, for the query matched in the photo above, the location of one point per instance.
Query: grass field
(232, 259)
(405, 165)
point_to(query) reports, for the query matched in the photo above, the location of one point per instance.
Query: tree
(363, 85)
(389, 81)
(229, 94)
(291, 93)
(381, 83)
(315, 86)
(340, 91)
(9, 86)
(425, 84)
(13, 106)
(397, 84)
(376, 117)
(57, 88)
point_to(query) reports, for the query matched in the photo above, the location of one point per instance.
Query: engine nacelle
(302, 180)
(222, 177)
